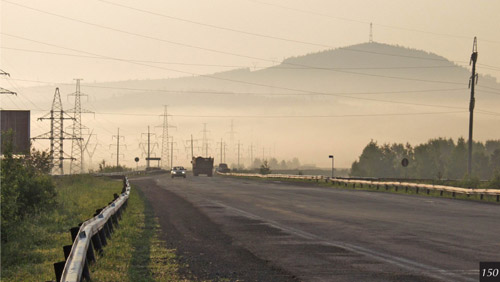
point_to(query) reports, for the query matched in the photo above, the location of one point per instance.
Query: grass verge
(391, 189)
(135, 251)
(35, 244)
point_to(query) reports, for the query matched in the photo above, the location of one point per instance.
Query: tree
(457, 166)
(265, 168)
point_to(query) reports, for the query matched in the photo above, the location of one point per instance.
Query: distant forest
(437, 159)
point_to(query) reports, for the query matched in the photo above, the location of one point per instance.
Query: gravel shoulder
(206, 252)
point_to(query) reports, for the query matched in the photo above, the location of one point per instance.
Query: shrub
(495, 181)
(264, 168)
(27, 189)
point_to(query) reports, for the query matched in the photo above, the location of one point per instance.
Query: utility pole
(472, 83)
(118, 137)
(192, 152)
(77, 147)
(221, 155)
(371, 34)
(57, 134)
(205, 139)
(172, 151)
(251, 154)
(239, 154)
(147, 148)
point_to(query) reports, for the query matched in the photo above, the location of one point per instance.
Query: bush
(470, 182)
(27, 189)
(264, 168)
(495, 181)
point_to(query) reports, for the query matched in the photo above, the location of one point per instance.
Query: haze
(134, 58)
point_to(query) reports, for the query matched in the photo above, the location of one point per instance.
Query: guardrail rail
(378, 184)
(90, 236)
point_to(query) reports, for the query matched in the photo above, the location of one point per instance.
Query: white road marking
(413, 266)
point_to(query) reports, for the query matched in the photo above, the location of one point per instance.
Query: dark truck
(202, 165)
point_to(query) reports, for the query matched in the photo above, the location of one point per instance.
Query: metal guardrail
(91, 235)
(378, 184)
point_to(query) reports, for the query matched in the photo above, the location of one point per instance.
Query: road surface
(255, 230)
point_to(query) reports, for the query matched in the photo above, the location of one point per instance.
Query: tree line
(439, 158)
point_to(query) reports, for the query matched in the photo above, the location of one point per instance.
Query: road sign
(136, 159)
(405, 162)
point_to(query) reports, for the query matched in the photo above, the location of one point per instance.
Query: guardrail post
(453, 194)
(417, 190)
(109, 223)
(102, 236)
(377, 186)
(67, 251)
(441, 193)
(406, 189)
(86, 272)
(58, 269)
(96, 241)
(396, 188)
(124, 184)
(74, 233)
(498, 198)
(90, 252)
(428, 191)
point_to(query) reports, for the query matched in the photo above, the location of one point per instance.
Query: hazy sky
(184, 32)
(99, 40)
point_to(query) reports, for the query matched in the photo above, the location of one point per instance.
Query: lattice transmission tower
(77, 146)
(56, 135)
(165, 151)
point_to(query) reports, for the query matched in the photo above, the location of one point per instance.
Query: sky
(53, 42)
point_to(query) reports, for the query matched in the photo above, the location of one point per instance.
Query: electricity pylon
(56, 135)
(77, 146)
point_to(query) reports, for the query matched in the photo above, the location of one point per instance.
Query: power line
(189, 45)
(220, 78)
(235, 66)
(253, 93)
(215, 26)
(366, 22)
(284, 116)
(239, 81)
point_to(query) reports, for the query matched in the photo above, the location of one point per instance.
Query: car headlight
(183, 172)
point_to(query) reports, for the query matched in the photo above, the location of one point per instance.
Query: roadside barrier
(90, 236)
(417, 187)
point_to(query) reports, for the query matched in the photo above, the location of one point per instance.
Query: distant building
(19, 123)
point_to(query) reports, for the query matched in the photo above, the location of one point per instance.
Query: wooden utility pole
(472, 83)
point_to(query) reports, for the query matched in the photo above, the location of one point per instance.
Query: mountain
(345, 97)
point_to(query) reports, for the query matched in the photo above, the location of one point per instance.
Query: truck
(202, 165)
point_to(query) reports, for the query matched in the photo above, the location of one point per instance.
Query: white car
(178, 171)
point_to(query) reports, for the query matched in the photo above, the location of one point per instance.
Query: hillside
(346, 96)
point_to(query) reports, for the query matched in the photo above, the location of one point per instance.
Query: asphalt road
(311, 233)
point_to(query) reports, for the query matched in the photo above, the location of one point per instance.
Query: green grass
(135, 251)
(35, 244)
(401, 190)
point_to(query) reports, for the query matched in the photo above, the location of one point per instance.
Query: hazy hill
(367, 88)
(369, 67)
